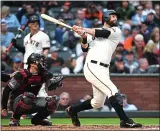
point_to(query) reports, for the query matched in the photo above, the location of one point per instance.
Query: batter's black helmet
(106, 15)
(33, 18)
(39, 59)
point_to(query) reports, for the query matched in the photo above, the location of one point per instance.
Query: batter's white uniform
(101, 50)
(35, 44)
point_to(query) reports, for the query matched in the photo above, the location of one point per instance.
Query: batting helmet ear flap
(105, 17)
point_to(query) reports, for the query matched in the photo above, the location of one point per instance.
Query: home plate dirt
(82, 128)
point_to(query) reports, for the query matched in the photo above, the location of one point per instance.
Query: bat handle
(9, 47)
(11, 44)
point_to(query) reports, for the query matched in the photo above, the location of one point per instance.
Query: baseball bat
(51, 19)
(20, 31)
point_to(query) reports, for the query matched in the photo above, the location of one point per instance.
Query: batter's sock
(118, 108)
(86, 105)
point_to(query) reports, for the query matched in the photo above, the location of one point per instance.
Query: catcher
(23, 88)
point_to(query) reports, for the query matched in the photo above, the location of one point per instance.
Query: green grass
(85, 121)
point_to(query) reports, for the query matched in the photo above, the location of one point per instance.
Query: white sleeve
(79, 49)
(133, 107)
(65, 71)
(45, 41)
(115, 35)
(89, 38)
(79, 64)
(25, 41)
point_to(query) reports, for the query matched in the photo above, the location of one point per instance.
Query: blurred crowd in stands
(137, 52)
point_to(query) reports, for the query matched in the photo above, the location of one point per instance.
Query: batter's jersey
(101, 49)
(35, 44)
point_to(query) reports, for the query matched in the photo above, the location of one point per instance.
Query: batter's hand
(75, 28)
(84, 35)
(4, 112)
(78, 30)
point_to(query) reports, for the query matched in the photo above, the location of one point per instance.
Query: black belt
(101, 64)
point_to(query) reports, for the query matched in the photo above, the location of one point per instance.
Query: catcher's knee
(24, 102)
(96, 103)
(52, 103)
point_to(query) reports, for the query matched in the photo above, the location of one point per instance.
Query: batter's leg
(97, 102)
(101, 80)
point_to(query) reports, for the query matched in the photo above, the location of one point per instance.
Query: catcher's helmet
(33, 18)
(106, 15)
(39, 59)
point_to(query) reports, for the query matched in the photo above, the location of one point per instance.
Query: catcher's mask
(38, 59)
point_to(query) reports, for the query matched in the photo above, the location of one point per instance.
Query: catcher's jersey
(35, 44)
(101, 49)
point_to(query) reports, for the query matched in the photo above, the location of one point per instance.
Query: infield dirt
(82, 128)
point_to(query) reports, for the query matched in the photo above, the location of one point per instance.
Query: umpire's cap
(106, 15)
(33, 18)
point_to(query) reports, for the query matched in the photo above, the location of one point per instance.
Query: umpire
(100, 45)
(23, 89)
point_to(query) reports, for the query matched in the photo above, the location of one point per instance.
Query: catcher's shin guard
(22, 104)
(52, 103)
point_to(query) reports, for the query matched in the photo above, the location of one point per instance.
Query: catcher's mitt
(55, 82)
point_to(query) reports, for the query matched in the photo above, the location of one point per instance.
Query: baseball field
(91, 124)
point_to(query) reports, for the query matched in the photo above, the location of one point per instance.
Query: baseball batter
(100, 45)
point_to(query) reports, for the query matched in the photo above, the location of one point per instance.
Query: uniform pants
(38, 106)
(102, 86)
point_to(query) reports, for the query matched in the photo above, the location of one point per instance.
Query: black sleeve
(102, 33)
(20, 48)
(5, 97)
(45, 48)
(85, 49)
(4, 77)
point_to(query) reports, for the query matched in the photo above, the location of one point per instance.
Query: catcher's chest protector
(31, 83)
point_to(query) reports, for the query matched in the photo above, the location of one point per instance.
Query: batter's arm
(84, 44)
(98, 33)
(93, 32)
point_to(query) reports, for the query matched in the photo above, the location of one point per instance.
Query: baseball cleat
(129, 124)
(44, 122)
(73, 116)
(14, 122)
